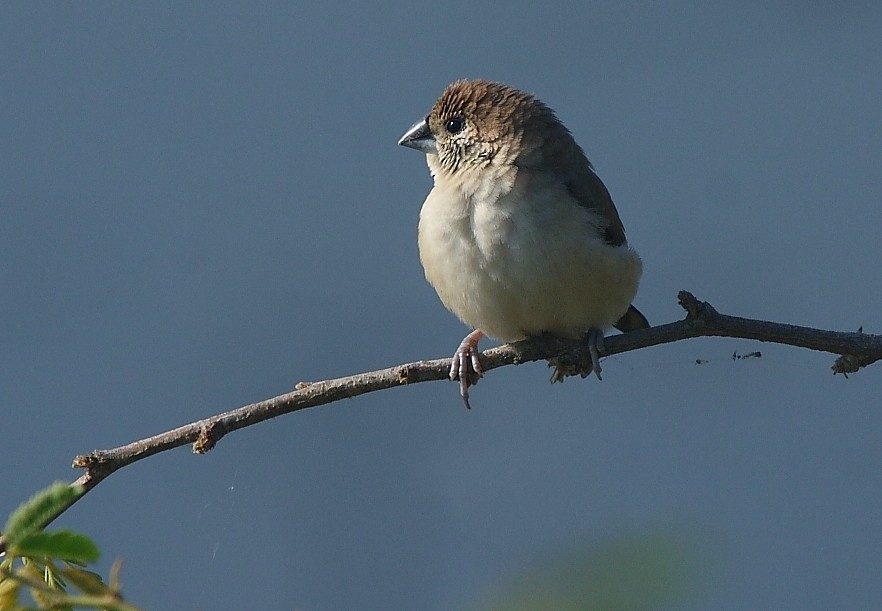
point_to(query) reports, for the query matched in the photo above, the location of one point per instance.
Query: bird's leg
(466, 366)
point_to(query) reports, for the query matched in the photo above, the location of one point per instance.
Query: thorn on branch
(208, 437)
(696, 310)
(95, 463)
(849, 363)
(404, 375)
(86, 461)
(689, 303)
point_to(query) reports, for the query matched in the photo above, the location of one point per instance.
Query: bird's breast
(524, 260)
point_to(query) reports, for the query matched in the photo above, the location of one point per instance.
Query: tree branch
(856, 350)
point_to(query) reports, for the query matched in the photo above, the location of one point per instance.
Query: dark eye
(455, 125)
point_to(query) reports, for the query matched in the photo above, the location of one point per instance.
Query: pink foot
(466, 366)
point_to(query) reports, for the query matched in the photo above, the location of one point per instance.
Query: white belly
(518, 266)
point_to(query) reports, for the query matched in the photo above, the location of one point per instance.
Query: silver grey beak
(420, 137)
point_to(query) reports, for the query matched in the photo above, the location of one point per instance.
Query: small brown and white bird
(519, 236)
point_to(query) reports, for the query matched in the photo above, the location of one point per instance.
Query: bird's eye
(455, 125)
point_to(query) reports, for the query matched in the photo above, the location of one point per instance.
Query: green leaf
(86, 581)
(33, 514)
(62, 544)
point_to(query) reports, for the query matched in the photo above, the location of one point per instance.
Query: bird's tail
(631, 321)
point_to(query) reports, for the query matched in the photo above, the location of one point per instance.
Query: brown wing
(587, 188)
(548, 146)
(566, 158)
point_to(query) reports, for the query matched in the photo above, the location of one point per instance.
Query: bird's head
(478, 124)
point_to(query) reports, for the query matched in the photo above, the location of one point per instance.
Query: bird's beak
(420, 137)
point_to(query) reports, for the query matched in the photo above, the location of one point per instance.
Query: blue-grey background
(202, 204)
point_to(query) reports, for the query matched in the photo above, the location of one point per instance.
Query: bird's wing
(587, 189)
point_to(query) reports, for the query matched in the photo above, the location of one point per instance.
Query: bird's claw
(564, 368)
(466, 365)
(595, 347)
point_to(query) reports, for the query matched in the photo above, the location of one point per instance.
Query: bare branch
(856, 350)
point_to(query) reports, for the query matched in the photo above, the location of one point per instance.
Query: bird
(519, 237)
